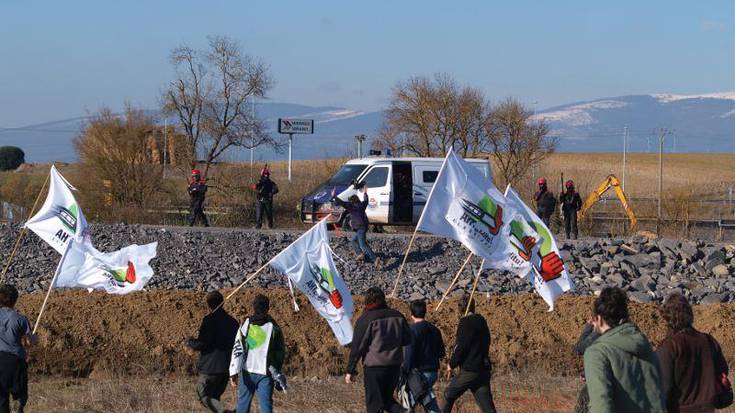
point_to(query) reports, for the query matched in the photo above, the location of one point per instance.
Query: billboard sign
(300, 126)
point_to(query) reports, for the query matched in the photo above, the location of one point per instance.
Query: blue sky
(60, 59)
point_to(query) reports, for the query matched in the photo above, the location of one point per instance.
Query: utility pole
(662, 135)
(252, 132)
(360, 139)
(165, 146)
(625, 152)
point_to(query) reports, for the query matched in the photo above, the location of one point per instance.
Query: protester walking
(264, 191)
(545, 202)
(620, 367)
(381, 333)
(470, 355)
(422, 357)
(214, 342)
(257, 357)
(359, 222)
(197, 193)
(571, 203)
(15, 337)
(586, 338)
(693, 368)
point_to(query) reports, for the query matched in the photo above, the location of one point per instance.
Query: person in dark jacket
(359, 222)
(471, 356)
(259, 350)
(588, 336)
(545, 202)
(424, 354)
(620, 366)
(691, 361)
(15, 338)
(571, 203)
(214, 342)
(264, 189)
(197, 193)
(380, 335)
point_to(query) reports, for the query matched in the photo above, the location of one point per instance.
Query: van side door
(378, 180)
(424, 177)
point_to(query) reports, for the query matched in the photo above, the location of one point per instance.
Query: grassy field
(687, 179)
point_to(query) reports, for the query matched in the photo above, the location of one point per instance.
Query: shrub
(11, 157)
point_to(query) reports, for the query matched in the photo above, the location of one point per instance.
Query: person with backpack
(214, 342)
(359, 222)
(693, 368)
(421, 358)
(15, 337)
(381, 333)
(571, 203)
(264, 189)
(257, 357)
(620, 366)
(470, 355)
(197, 192)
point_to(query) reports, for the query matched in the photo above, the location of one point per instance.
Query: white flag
(60, 219)
(119, 272)
(465, 205)
(549, 277)
(308, 263)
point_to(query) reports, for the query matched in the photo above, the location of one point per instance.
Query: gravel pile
(205, 259)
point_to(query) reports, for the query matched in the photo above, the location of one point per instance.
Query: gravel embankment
(204, 259)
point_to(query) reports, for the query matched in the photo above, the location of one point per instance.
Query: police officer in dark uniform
(570, 202)
(197, 192)
(264, 189)
(545, 202)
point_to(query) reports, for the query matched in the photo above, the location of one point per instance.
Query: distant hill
(702, 123)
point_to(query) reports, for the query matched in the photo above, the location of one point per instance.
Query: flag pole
(293, 297)
(247, 280)
(23, 230)
(51, 286)
(454, 281)
(403, 263)
(474, 286)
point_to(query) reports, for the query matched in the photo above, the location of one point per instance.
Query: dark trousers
(380, 383)
(570, 224)
(210, 388)
(264, 207)
(13, 381)
(546, 219)
(477, 382)
(197, 213)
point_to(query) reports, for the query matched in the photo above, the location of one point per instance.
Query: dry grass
(177, 394)
(688, 178)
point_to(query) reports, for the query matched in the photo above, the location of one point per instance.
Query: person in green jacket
(621, 368)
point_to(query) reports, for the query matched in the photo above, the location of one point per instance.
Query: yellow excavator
(610, 182)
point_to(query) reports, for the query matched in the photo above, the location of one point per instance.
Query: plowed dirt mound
(141, 333)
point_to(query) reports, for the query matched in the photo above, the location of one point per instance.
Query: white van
(397, 189)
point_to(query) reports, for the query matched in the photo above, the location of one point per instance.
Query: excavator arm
(610, 182)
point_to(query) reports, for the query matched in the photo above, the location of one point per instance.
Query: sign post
(291, 127)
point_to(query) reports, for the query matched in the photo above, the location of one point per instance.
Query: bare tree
(428, 116)
(211, 98)
(115, 148)
(517, 141)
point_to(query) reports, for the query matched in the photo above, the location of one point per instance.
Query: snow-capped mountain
(335, 129)
(697, 123)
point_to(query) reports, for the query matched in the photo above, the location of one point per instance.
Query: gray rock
(640, 297)
(721, 270)
(715, 298)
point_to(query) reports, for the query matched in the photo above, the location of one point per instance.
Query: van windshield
(345, 175)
